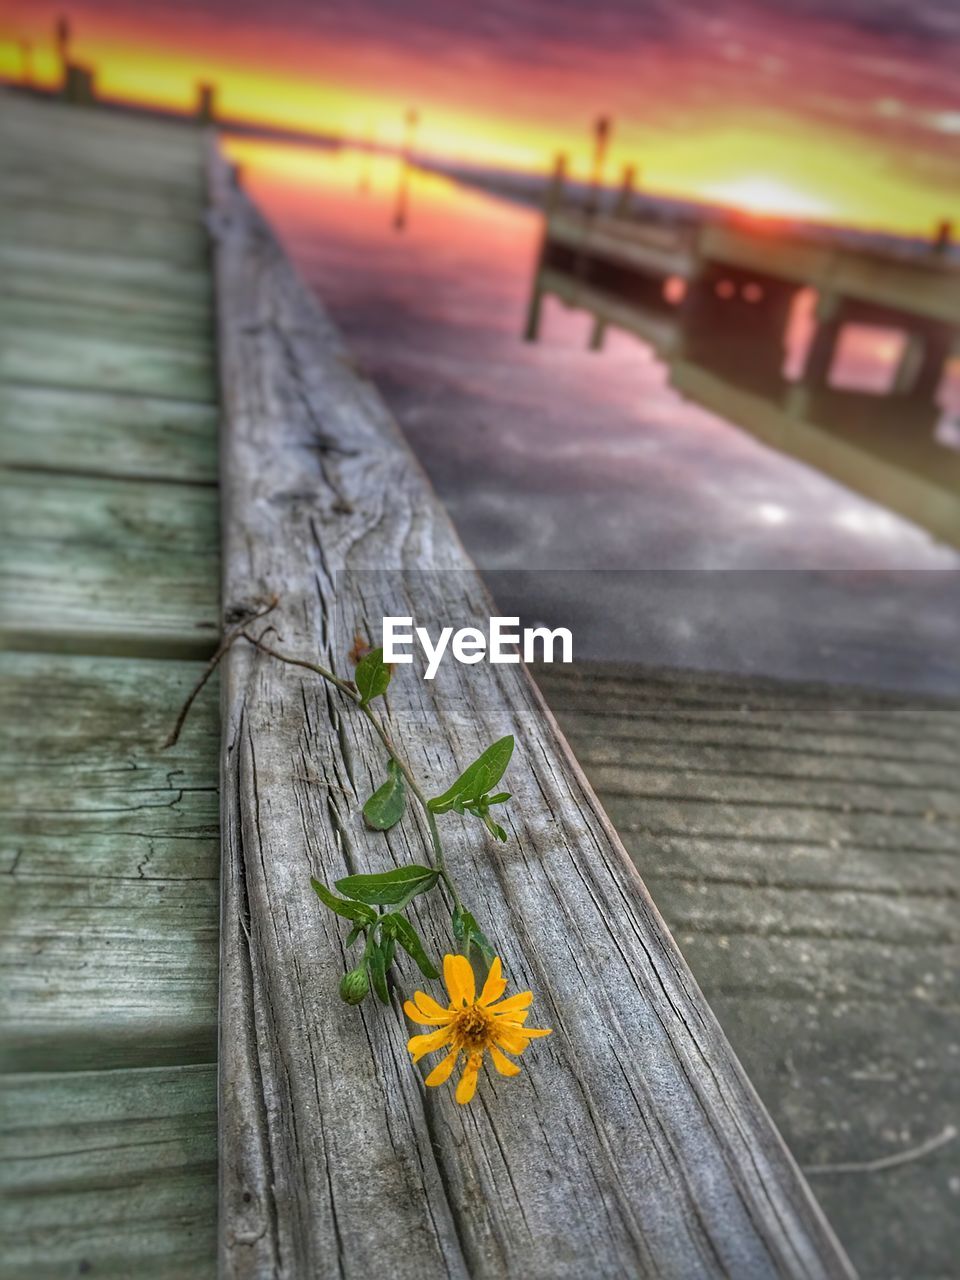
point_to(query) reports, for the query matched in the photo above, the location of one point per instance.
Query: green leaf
(485, 772)
(399, 927)
(355, 911)
(500, 798)
(389, 888)
(385, 807)
(371, 676)
(377, 966)
(468, 933)
(354, 934)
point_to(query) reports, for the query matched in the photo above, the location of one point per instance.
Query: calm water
(549, 457)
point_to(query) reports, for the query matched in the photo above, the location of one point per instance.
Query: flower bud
(354, 985)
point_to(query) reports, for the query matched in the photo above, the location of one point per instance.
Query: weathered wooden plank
(105, 279)
(110, 853)
(900, 919)
(633, 1144)
(103, 565)
(29, 186)
(136, 437)
(819, 970)
(749, 760)
(109, 1173)
(115, 137)
(740, 704)
(95, 231)
(95, 144)
(923, 734)
(115, 320)
(867, 743)
(658, 780)
(745, 697)
(90, 362)
(813, 889)
(657, 817)
(888, 1094)
(792, 863)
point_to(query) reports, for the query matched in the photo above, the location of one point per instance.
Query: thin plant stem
(221, 649)
(350, 691)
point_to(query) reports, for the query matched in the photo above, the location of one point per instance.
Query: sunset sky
(845, 110)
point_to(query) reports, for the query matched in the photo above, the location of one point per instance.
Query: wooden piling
(553, 197)
(552, 200)
(622, 208)
(206, 109)
(403, 195)
(601, 135)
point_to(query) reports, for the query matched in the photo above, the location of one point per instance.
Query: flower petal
(503, 1063)
(512, 1005)
(419, 1045)
(513, 1038)
(458, 976)
(534, 1033)
(467, 1085)
(429, 1010)
(513, 1019)
(510, 1038)
(495, 984)
(417, 1015)
(443, 1070)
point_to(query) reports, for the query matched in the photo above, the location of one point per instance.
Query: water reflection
(551, 456)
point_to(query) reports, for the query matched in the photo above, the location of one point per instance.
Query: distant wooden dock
(715, 299)
(635, 1144)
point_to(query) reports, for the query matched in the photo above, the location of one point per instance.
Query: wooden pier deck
(635, 1145)
(109, 598)
(803, 844)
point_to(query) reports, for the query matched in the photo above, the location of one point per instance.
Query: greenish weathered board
(109, 845)
(96, 432)
(110, 852)
(803, 844)
(51, 136)
(89, 145)
(83, 231)
(105, 279)
(29, 186)
(62, 359)
(116, 320)
(103, 565)
(109, 1174)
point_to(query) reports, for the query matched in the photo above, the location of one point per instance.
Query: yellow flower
(471, 1026)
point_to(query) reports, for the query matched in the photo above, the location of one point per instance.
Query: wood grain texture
(91, 361)
(103, 565)
(109, 1173)
(95, 231)
(131, 285)
(632, 1144)
(109, 845)
(98, 433)
(811, 881)
(109, 852)
(94, 146)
